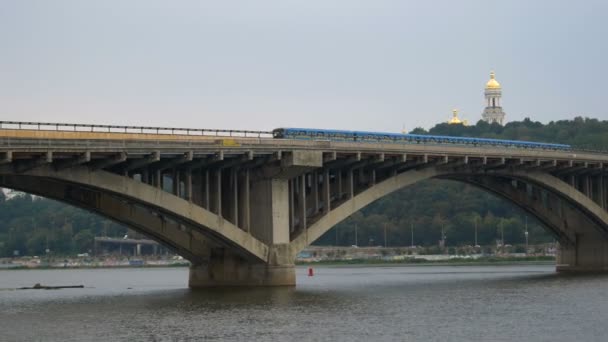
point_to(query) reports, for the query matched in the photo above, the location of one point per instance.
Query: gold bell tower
(493, 112)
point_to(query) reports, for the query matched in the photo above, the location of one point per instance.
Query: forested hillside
(32, 225)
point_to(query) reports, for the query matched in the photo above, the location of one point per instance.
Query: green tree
(83, 240)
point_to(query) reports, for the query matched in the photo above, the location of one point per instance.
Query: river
(396, 303)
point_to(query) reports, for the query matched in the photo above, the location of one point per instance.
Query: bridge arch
(564, 211)
(188, 229)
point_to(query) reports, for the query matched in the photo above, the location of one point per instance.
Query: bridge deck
(25, 142)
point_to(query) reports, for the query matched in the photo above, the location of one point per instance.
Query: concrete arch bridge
(241, 205)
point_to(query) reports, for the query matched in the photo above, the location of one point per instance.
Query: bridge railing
(66, 127)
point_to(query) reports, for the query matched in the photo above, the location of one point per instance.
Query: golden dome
(455, 120)
(492, 83)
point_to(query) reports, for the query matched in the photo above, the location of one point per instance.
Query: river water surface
(415, 303)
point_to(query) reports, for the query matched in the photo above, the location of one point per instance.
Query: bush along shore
(483, 260)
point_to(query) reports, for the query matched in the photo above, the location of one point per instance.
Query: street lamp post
(412, 229)
(526, 234)
(443, 236)
(502, 234)
(476, 232)
(385, 241)
(336, 235)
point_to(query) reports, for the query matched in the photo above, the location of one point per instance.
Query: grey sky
(372, 65)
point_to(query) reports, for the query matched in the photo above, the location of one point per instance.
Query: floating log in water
(43, 287)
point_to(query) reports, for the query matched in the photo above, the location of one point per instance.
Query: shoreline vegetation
(481, 261)
(88, 267)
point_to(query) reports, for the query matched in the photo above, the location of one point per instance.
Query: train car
(363, 136)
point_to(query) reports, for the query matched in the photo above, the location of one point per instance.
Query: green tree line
(31, 225)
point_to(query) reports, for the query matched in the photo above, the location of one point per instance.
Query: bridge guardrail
(66, 127)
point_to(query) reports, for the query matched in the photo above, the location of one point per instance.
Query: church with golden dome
(455, 120)
(493, 111)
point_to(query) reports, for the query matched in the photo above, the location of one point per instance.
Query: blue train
(361, 136)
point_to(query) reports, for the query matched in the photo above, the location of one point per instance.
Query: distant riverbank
(36, 263)
(411, 261)
(85, 267)
(480, 261)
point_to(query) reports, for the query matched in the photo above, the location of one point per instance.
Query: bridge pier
(227, 269)
(588, 255)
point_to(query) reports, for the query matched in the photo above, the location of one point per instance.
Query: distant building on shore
(455, 120)
(493, 111)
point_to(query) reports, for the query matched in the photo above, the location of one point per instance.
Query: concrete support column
(206, 201)
(350, 186)
(315, 192)
(326, 192)
(218, 192)
(158, 179)
(188, 185)
(270, 211)
(145, 176)
(292, 204)
(302, 202)
(197, 188)
(163, 181)
(175, 177)
(235, 196)
(340, 190)
(597, 190)
(245, 202)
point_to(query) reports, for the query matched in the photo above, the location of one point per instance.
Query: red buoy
(310, 272)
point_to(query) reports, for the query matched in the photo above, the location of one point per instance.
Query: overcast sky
(373, 64)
